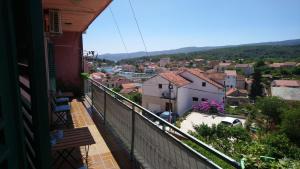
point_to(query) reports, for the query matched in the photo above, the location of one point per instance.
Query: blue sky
(171, 24)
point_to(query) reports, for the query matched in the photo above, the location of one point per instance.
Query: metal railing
(150, 139)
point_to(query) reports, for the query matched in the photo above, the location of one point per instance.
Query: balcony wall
(151, 141)
(68, 61)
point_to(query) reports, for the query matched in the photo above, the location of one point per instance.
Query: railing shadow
(115, 145)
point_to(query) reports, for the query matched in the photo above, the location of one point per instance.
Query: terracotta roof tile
(230, 72)
(203, 76)
(286, 83)
(174, 78)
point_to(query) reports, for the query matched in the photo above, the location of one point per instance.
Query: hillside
(120, 56)
(250, 52)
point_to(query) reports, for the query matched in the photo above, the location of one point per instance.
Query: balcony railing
(167, 95)
(152, 144)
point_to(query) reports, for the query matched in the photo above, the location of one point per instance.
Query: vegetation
(248, 53)
(256, 87)
(135, 97)
(274, 145)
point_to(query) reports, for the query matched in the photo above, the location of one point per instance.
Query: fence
(148, 137)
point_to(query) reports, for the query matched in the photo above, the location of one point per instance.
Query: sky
(172, 24)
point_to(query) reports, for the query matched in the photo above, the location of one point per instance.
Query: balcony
(148, 144)
(167, 95)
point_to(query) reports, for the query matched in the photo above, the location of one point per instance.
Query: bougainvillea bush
(209, 107)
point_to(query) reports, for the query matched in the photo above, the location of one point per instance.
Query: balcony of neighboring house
(168, 95)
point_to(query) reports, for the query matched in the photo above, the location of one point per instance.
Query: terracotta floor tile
(100, 154)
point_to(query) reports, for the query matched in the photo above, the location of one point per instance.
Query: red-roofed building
(188, 86)
(130, 88)
(236, 97)
(286, 83)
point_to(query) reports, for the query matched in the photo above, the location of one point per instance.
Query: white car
(230, 121)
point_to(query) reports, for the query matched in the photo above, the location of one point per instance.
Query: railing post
(132, 132)
(104, 107)
(92, 97)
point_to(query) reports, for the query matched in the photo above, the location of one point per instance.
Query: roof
(233, 90)
(224, 64)
(174, 78)
(216, 75)
(98, 75)
(129, 85)
(286, 83)
(286, 93)
(243, 65)
(203, 76)
(230, 72)
(275, 65)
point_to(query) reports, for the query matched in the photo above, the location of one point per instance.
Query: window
(195, 99)
(204, 99)
(160, 86)
(203, 84)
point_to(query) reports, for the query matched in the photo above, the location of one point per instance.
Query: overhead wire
(119, 31)
(137, 24)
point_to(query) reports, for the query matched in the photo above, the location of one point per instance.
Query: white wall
(195, 89)
(230, 81)
(150, 87)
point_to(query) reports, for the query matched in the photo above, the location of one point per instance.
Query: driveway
(196, 118)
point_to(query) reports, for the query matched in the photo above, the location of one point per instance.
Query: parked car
(230, 121)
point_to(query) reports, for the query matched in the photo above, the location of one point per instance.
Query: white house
(230, 79)
(188, 87)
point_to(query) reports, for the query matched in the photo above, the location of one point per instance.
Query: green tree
(256, 87)
(291, 124)
(260, 63)
(272, 107)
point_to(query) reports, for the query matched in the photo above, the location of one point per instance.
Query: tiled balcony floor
(107, 153)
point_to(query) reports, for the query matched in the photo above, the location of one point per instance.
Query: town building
(179, 91)
(247, 69)
(236, 97)
(128, 88)
(286, 89)
(164, 61)
(283, 65)
(222, 66)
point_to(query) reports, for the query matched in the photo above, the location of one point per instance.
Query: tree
(256, 87)
(260, 63)
(272, 107)
(291, 124)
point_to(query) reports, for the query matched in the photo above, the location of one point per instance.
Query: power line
(137, 24)
(119, 31)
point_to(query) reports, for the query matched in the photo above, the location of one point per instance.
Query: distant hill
(120, 56)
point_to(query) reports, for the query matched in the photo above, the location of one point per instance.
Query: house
(98, 76)
(236, 97)
(179, 90)
(283, 65)
(128, 68)
(222, 66)
(247, 69)
(128, 88)
(164, 61)
(229, 78)
(286, 93)
(286, 89)
(160, 92)
(286, 83)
